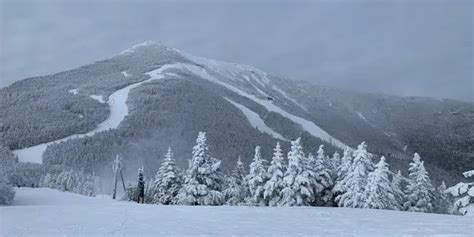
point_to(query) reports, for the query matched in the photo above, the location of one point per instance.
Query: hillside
(150, 97)
(52, 213)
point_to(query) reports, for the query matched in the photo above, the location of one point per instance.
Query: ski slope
(47, 212)
(255, 121)
(307, 125)
(118, 112)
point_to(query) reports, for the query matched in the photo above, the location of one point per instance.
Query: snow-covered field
(47, 212)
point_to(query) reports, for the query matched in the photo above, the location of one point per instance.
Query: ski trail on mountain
(117, 102)
(307, 125)
(255, 121)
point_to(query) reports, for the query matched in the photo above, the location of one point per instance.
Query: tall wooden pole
(123, 182)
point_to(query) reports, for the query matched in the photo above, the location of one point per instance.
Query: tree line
(351, 180)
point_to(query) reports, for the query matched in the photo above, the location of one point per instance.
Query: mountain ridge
(349, 116)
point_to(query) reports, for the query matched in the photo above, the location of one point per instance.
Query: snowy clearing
(74, 91)
(98, 98)
(125, 74)
(118, 111)
(50, 212)
(255, 121)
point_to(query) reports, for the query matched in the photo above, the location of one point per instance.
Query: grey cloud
(399, 47)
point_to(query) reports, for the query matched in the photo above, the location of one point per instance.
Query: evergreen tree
(354, 183)
(336, 163)
(7, 193)
(236, 190)
(256, 179)
(464, 192)
(325, 172)
(275, 184)
(418, 193)
(239, 172)
(298, 190)
(379, 193)
(441, 203)
(396, 185)
(342, 170)
(203, 181)
(168, 181)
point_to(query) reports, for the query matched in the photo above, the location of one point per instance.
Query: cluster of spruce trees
(352, 180)
(71, 181)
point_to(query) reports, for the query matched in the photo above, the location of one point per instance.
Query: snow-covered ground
(118, 111)
(47, 212)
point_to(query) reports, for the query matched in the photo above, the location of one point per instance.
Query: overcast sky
(410, 47)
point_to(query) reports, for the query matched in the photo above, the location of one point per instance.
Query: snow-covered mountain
(150, 97)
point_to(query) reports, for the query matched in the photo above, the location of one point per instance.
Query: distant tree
(71, 181)
(7, 193)
(236, 190)
(441, 203)
(323, 169)
(203, 181)
(167, 181)
(398, 193)
(342, 170)
(336, 162)
(419, 189)
(276, 171)
(256, 179)
(298, 190)
(379, 192)
(239, 171)
(464, 192)
(354, 183)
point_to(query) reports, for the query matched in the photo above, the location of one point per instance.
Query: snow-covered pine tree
(379, 193)
(325, 172)
(346, 163)
(298, 190)
(441, 203)
(322, 182)
(464, 192)
(236, 189)
(256, 179)
(167, 181)
(397, 188)
(418, 192)
(7, 193)
(239, 171)
(336, 163)
(275, 184)
(203, 180)
(354, 183)
(343, 169)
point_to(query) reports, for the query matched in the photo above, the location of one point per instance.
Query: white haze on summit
(416, 47)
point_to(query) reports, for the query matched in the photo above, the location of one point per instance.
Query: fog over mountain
(421, 48)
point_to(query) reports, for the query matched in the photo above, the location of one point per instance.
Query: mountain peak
(140, 45)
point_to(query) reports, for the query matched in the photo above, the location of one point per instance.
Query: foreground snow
(49, 212)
